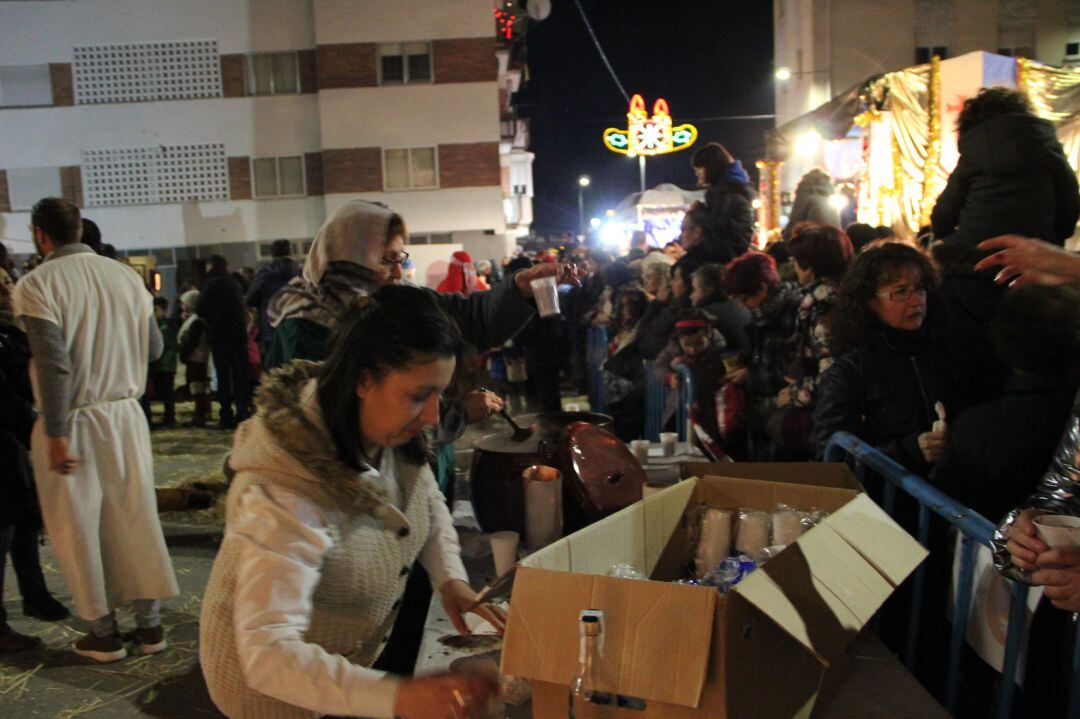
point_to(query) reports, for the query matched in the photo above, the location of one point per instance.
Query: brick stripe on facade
(357, 169)
(5, 198)
(63, 84)
(309, 71)
(239, 178)
(313, 173)
(232, 76)
(346, 65)
(465, 60)
(469, 164)
(71, 184)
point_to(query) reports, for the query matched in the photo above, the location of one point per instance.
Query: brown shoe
(100, 649)
(12, 641)
(148, 640)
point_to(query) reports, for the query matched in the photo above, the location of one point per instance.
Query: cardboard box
(762, 650)
(816, 474)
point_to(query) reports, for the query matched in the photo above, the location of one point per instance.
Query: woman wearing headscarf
(461, 277)
(361, 248)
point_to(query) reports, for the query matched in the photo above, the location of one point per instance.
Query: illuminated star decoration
(646, 135)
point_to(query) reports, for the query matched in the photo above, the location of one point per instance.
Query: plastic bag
(752, 532)
(622, 570)
(713, 543)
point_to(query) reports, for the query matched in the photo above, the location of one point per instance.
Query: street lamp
(582, 183)
(783, 73)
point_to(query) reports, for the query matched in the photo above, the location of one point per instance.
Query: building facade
(830, 45)
(188, 127)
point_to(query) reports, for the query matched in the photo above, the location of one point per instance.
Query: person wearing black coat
(1012, 178)
(813, 203)
(20, 517)
(268, 281)
(997, 452)
(890, 370)
(221, 307)
(728, 201)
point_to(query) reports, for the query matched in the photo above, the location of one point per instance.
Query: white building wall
(410, 115)
(451, 210)
(46, 137)
(51, 29)
(341, 21)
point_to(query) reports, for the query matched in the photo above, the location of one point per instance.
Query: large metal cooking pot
(582, 451)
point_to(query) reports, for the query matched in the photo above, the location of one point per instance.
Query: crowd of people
(955, 352)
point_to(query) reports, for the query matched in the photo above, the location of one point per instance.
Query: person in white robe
(92, 333)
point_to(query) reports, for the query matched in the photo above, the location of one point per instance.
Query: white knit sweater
(288, 551)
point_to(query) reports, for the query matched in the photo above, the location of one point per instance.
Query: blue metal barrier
(596, 349)
(973, 528)
(686, 398)
(657, 394)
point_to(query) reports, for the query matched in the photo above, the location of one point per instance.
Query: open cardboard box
(762, 650)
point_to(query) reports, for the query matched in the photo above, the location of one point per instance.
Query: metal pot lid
(603, 474)
(502, 442)
(560, 419)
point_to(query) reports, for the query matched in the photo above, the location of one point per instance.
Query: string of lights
(600, 50)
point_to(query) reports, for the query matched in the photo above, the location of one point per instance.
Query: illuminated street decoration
(646, 135)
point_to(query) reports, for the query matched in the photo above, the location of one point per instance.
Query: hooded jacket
(812, 202)
(1012, 177)
(307, 582)
(267, 282)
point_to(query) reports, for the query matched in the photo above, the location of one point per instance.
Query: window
(401, 63)
(410, 168)
(923, 55)
(435, 238)
(273, 73)
(278, 176)
(1072, 48)
(25, 86)
(28, 185)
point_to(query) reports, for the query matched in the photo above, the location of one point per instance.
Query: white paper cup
(1059, 531)
(504, 546)
(543, 506)
(546, 294)
(640, 448)
(668, 440)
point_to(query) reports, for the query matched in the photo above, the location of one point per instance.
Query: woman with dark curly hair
(889, 370)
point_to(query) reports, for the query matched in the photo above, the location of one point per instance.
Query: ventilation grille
(143, 72)
(163, 173)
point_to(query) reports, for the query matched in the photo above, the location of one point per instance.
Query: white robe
(102, 518)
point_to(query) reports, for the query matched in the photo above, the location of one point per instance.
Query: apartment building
(188, 127)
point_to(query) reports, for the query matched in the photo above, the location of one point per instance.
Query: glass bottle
(590, 695)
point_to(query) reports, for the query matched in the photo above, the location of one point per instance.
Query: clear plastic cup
(546, 294)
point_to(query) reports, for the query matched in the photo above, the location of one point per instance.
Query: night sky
(706, 58)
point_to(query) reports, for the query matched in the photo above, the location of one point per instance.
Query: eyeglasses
(904, 293)
(399, 258)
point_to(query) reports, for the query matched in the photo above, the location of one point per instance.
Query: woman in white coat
(331, 502)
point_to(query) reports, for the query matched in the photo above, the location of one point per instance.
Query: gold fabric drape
(1054, 93)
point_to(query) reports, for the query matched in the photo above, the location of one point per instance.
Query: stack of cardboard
(774, 646)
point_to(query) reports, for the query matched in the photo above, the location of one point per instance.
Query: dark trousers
(163, 390)
(234, 381)
(21, 541)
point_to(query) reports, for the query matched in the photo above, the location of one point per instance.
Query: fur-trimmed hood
(287, 443)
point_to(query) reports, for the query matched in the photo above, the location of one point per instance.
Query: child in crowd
(163, 369)
(195, 354)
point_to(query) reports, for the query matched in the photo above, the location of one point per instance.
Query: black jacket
(1012, 177)
(17, 499)
(731, 219)
(221, 307)
(812, 202)
(267, 282)
(731, 318)
(884, 394)
(997, 452)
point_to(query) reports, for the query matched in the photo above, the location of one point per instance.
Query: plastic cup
(504, 546)
(572, 407)
(1059, 531)
(640, 448)
(668, 440)
(546, 294)
(543, 506)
